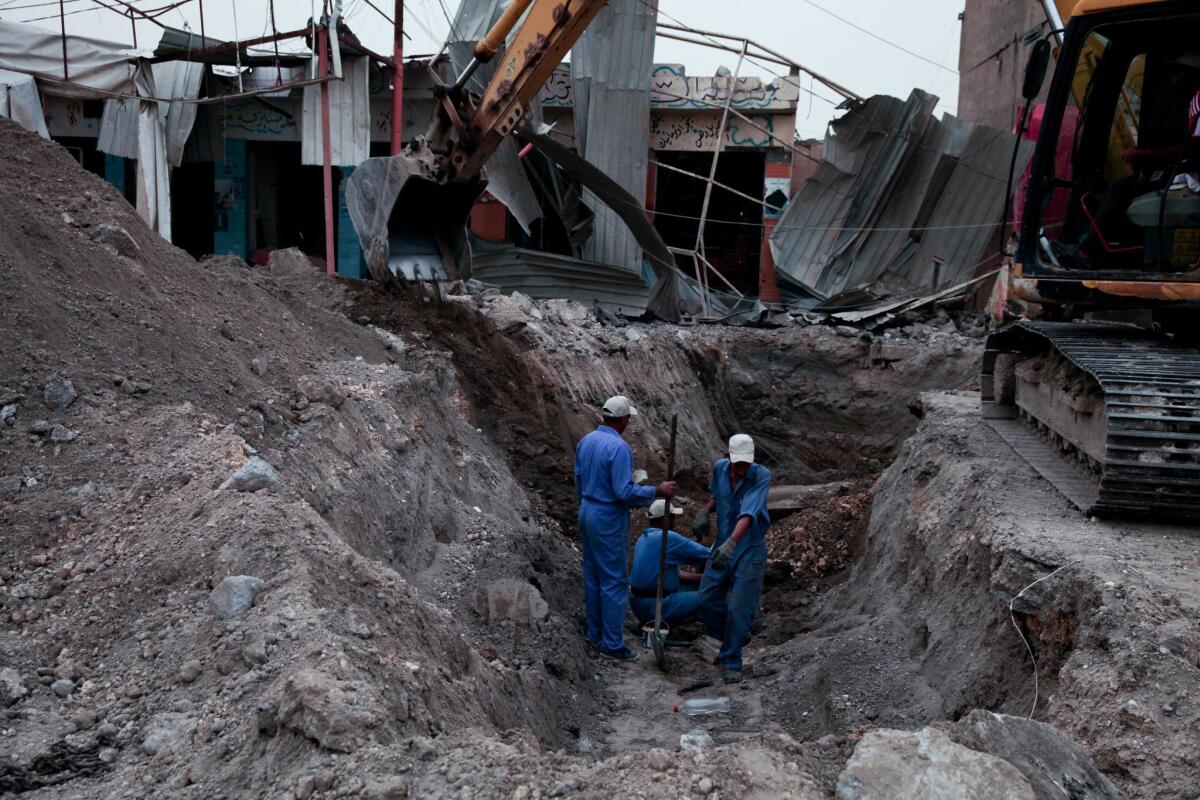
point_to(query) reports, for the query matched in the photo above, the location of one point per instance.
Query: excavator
(410, 210)
(1098, 387)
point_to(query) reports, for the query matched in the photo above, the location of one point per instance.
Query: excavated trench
(863, 624)
(888, 597)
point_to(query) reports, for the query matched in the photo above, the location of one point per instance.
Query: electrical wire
(876, 36)
(748, 58)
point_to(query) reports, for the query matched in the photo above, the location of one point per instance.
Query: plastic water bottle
(703, 706)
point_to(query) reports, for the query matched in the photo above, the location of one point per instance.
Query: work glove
(701, 526)
(723, 555)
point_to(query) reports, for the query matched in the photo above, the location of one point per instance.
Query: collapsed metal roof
(896, 189)
(610, 74)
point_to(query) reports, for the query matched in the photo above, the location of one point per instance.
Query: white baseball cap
(619, 406)
(656, 508)
(741, 448)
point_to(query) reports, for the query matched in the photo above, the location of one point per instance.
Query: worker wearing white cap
(643, 578)
(732, 585)
(606, 491)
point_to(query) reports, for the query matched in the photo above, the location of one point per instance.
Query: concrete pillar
(232, 210)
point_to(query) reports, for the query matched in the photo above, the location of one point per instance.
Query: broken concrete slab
(929, 765)
(1056, 766)
(512, 600)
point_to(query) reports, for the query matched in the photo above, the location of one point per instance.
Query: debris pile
(820, 541)
(266, 534)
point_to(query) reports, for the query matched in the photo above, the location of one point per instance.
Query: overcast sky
(929, 29)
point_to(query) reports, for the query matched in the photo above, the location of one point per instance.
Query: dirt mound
(920, 630)
(163, 627)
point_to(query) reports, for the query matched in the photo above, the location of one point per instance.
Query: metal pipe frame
(766, 54)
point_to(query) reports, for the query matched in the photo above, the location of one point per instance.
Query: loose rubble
(304, 538)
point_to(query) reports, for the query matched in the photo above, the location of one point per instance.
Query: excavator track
(1128, 443)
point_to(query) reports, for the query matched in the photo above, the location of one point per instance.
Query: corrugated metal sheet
(959, 233)
(896, 188)
(119, 128)
(610, 75)
(349, 118)
(506, 176)
(544, 276)
(178, 79)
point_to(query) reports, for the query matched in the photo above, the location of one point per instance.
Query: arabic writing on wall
(699, 132)
(671, 87)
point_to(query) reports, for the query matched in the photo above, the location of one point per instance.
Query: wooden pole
(203, 41)
(659, 642)
(398, 80)
(326, 148)
(62, 23)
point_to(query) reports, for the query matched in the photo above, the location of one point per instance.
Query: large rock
(117, 238)
(317, 706)
(1057, 767)
(512, 600)
(234, 595)
(321, 390)
(11, 687)
(928, 765)
(168, 732)
(59, 394)
(255, 474)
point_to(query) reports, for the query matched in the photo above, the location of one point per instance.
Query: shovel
(658, 639)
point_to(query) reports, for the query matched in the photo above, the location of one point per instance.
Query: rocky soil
(271, 535)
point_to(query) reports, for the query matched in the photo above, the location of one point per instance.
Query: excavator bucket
(412, 227)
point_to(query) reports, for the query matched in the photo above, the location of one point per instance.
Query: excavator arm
(410, 211)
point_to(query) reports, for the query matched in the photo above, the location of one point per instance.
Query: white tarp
(20, 102)
(92, 64)
(180, 81)
(349, 118)
(120, 122)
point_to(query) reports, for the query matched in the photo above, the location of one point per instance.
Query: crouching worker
(732, 584)
(643, 578)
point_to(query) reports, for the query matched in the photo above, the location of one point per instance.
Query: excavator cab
(1099, 388)
(1114, 183)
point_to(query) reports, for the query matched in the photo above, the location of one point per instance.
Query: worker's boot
(732, 676)
(625, 653)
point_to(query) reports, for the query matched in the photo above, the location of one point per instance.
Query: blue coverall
(729, 597)
(606, 491)
(677, 606)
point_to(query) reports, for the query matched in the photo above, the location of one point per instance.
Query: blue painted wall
(114, 171)
(233, 219)
(350, 262)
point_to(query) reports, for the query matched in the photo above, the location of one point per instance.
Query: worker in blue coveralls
(732, 585)
(606, 491)
(643, 578)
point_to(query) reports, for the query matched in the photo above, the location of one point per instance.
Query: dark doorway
(288, 199)
(192, 220)
(733, 234)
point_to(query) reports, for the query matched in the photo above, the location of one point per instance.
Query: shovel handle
(666, 526)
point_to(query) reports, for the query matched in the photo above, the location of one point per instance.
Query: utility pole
(323, 45)
(398, 81)
(62, 23)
